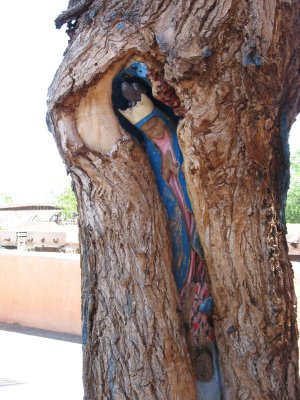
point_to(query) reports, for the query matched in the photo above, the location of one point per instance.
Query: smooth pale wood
(234, 66)
(96, 122)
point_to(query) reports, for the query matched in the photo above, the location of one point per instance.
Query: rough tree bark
(235, 68)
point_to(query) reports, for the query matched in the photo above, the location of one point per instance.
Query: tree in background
(292, 211)
(67, 202)
(5, 198)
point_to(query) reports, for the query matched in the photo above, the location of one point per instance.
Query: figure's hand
(169, 166)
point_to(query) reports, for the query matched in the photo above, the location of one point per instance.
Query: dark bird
(132, 92)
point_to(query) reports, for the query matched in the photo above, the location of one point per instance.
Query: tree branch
(72, 12)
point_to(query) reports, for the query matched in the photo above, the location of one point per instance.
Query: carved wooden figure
(161, 144)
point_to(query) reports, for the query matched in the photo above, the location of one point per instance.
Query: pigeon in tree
(132, 92)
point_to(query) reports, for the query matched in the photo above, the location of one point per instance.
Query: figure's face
(154, 128)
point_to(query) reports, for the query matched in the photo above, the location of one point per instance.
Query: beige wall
(40, 290)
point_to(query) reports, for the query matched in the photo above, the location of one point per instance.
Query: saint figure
(160, 140)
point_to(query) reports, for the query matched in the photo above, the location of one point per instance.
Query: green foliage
(292, 210)
(6, 198)
(67, 202)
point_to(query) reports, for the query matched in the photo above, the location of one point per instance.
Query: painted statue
(159, 137)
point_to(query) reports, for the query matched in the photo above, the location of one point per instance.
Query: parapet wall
(40, 290)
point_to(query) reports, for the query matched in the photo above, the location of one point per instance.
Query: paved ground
(39, 365)
(43, 365)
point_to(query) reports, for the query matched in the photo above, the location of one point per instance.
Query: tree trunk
(234, 67)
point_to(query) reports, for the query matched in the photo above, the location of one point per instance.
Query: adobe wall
(40, 290)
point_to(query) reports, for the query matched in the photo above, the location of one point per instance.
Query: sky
(32, 49)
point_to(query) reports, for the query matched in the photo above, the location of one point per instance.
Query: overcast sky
(32, 49)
